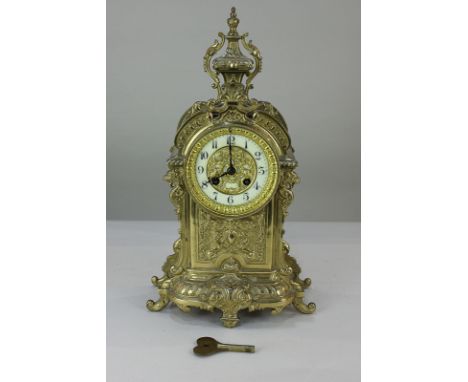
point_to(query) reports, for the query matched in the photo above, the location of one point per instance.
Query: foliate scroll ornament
(174, 177)
(233, 116)
(220, 237)
(196, 112)
(211, 51)
(196, 108)
(250, 105)
(273, 112)
(286, 195)
(172, 265)
(205, 113)
(231, 292)
(275, 128)
(293, 267)
(191, 127)
(255, 53)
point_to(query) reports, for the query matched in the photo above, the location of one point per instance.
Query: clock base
(231, 292)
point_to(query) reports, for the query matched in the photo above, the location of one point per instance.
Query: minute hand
(230, 152)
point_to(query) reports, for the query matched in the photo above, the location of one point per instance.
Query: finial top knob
(233, 22)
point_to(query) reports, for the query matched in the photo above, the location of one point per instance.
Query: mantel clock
(231, 173)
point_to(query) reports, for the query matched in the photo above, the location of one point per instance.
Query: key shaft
(238, 348)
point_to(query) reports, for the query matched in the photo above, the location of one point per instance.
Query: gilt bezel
(239, 210)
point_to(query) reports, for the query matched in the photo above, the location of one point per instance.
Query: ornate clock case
(231, 254)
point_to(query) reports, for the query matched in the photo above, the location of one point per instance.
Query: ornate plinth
(231, 291)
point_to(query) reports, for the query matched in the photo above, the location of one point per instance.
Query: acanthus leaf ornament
(253, 50)
(211, 51)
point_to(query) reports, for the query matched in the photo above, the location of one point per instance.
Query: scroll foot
(302, 307)
(155, 281)
(303, 283)
(158, 282)
(156, 306)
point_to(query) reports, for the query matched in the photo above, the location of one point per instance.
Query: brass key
(208, 345)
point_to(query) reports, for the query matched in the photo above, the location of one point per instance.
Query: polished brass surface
(231, 173)
(208, 346)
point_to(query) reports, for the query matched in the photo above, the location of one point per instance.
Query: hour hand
(215, 179)
(230, 171)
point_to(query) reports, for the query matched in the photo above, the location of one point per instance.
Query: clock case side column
(175, 263)
(285, 196)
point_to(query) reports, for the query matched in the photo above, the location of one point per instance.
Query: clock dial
(232, 171)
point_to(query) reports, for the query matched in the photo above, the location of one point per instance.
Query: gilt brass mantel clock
(231, 173)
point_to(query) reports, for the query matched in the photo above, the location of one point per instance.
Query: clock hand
(230, 151)
(231, 169)
(215, 179)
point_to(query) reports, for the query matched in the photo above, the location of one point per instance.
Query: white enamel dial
(238, 186)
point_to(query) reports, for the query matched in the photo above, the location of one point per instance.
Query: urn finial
(233, 66)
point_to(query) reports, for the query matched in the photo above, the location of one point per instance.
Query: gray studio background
(311, 73)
